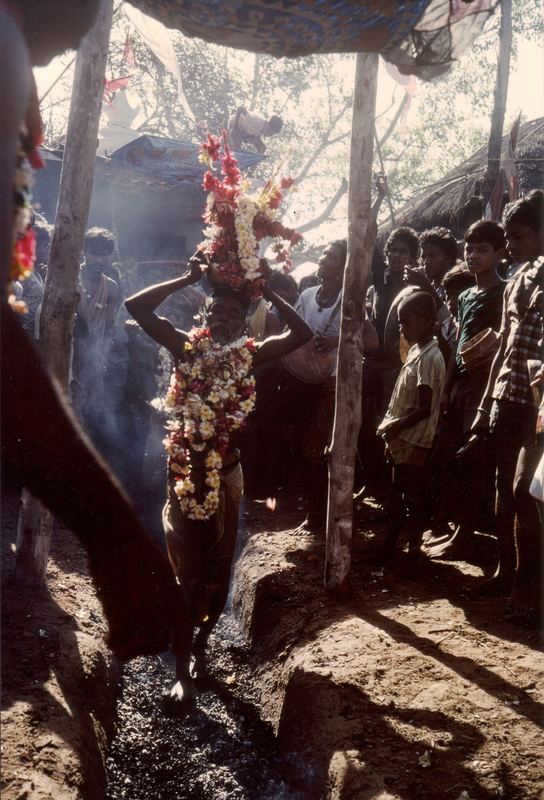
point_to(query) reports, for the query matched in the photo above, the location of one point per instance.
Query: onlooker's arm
(451, 374)
(481, 420)
(420, 412)
(370, 337)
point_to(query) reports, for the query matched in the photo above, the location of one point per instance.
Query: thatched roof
(452, 202)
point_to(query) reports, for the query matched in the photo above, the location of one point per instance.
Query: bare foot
(178, 700)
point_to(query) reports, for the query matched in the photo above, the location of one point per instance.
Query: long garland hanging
(210, 395)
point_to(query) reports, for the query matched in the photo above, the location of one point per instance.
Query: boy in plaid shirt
(508, 410)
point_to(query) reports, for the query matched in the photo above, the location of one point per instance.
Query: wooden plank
(347, 420)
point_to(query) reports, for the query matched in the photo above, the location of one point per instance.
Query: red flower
(210, 182)
(286, 183)
(35, 159)
(212, 147)
(25, 250)
(275, 199)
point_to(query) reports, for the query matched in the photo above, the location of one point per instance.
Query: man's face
(331, 264)
(226, 319)
(481, 257)
(452, 298)
(97, 263)
(398, 256)
(434, 261)
(522, 242)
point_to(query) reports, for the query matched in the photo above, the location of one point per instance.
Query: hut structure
(149, 193)
(455, 201)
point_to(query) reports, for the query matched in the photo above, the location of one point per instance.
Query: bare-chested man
(201, 550)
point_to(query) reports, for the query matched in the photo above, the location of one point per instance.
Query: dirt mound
(58, 684)
(407, 690)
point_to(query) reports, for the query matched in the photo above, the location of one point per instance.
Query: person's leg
(417, 505)
(185, 544)
(396, 514)
(314, 440)
(528, 535)
(509, 428)
(217, 564)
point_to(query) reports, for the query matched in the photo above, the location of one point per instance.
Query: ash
(220, 750)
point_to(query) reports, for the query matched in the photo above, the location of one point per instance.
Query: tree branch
(325, 142)
(393, 124)
(327, 211)
(255, 82)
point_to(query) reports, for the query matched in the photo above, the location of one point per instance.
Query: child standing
(509, 411)
(479, 307)
(410, 423)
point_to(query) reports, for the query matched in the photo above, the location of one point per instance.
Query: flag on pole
(408, 83)
(157, 38)
(128, 53)
(113, 86)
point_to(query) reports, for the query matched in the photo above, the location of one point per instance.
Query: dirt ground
(406, 690)
(58, 684)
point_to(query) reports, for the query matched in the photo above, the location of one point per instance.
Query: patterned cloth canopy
(421, 37)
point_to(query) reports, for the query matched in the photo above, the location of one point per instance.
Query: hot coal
(219, 750)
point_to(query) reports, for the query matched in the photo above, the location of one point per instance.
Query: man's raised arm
(142, 307)
(276, 346)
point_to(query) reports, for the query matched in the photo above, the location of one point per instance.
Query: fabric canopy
(421, 37)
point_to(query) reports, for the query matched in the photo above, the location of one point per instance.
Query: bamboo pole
(60, 295)
(347, 419)
(494, 145)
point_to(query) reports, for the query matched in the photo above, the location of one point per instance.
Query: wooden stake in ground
(60, 295)
(347, 418)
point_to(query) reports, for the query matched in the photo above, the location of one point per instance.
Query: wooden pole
(347, 419)
(494, 146)
(76, 183)
(60, 295)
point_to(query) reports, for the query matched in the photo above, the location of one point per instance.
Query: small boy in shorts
(410, 424)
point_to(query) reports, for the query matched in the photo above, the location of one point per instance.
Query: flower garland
(210, 395)
(27, 160)
(237, 221)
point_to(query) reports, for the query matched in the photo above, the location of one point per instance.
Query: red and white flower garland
(210, 395)
(237, 221)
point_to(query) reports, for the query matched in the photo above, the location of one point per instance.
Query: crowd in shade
(451, 440)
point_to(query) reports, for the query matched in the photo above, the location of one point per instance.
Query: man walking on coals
(212, 390)
(214, 364)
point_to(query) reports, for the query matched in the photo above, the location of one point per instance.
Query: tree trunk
(347, 419)
(494, 145)
(60, 295)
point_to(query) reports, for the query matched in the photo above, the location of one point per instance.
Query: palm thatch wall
(454, 200)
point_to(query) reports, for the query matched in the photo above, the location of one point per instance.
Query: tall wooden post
(60, 295)
(494, 145)
(347, 419)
